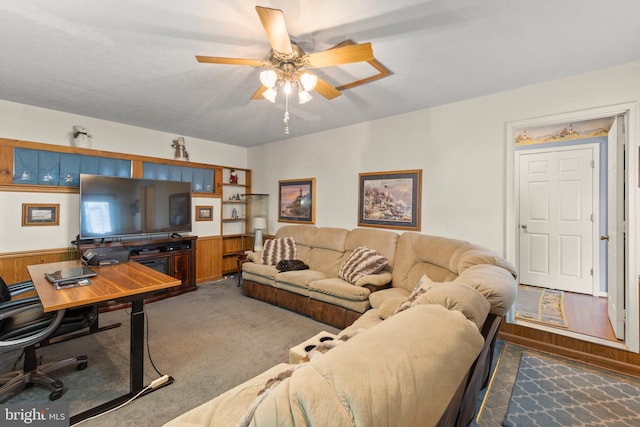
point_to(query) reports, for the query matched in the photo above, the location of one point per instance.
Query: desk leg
(137, 346)
(136, 365)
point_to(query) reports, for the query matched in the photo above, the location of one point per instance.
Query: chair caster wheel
(55, 395)
(57, 385)
(82, 366)
(28, 385)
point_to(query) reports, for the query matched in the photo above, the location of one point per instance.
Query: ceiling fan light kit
(288, 63)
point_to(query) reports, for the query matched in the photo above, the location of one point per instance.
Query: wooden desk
(128, 280)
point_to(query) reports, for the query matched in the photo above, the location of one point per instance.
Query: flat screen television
(118, 207)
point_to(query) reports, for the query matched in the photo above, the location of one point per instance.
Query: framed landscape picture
(297, 201)
(204, 213)
(40, 214)
(390, 199)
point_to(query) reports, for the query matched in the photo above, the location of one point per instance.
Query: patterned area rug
(548, 393)
(541, 305)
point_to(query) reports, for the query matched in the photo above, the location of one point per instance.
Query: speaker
(105, 256)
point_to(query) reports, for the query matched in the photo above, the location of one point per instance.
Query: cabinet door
(182, 268)
(25, 166)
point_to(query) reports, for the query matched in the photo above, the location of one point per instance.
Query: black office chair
(23, 324)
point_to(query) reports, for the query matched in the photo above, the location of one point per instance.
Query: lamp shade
(304, 97)
(270, 94)
(308, 81)
(268, 78)
(259, 223)
(257, 241)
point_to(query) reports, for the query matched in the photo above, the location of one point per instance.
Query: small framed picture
(204, 213)
(40, 214)
(390, 199)
(297, 201)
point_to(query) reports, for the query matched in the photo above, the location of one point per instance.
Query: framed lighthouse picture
(297, 201)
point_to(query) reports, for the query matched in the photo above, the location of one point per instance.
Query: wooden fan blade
(258, 93)
(340, 55)
(326, 90)
(231, 61)
(276, 28)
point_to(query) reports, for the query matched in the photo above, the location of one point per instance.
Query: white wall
(460, 148)
(27, 123)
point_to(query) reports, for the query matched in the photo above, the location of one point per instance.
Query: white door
(614, 240)
(556, 222)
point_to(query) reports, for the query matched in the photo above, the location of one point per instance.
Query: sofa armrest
(375, 282)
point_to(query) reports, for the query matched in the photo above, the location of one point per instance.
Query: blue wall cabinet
(25, 166)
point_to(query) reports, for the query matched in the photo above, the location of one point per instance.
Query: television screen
(115, 207)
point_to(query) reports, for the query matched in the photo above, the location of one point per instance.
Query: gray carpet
(208, 340)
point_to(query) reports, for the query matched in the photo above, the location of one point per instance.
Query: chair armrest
(21, 288)
(36, 336)
(255, 257)
(11, 308)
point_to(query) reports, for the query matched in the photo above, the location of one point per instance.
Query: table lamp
(259, 224)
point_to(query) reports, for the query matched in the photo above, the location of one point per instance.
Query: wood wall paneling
(208, 256)
(595, 354)
(13, 266)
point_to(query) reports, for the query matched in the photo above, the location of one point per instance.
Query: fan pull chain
(286, 114)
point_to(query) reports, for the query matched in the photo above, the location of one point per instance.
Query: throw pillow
(275, 250)
(361, 262)
(421, 287)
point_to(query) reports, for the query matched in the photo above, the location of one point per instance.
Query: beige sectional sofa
(412, 356)
(322, 295)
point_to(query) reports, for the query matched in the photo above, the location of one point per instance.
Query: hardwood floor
(587, 315)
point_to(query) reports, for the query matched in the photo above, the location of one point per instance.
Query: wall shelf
(235, 230)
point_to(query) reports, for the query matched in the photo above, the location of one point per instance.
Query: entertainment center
(175, 256)
(53, 172)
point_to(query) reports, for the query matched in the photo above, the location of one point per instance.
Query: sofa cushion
(340, 293)
(419, 254)
(383, 241)
(297, 281)
(338, 287)
(390, 305)
(260, 273)
(275, 250)
(378, 279)
(376, 299)
(362, 261)
(421, 287)
(326, 250)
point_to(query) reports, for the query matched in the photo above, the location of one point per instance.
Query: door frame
(595, 202)
(632, 193)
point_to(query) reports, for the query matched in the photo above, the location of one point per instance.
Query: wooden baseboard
(607, 362)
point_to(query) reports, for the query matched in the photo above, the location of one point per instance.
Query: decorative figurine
(80, 137)
(180, 149)
(233, 178)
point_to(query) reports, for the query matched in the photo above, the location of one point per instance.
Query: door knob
(524, 226)
(604, 237)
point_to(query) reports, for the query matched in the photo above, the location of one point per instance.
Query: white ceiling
(133, 61)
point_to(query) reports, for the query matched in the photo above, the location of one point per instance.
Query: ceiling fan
(288, 64)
